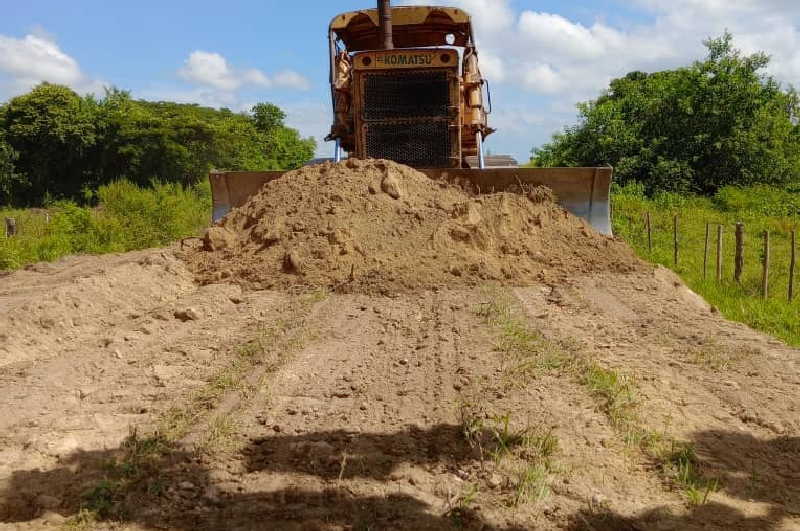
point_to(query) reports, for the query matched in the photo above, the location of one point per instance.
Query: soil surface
(134, 398)
(359, 347)
(376, 226)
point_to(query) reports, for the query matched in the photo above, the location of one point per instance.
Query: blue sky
(540, 56)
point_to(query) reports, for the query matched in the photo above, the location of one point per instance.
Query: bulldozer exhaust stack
(385, 17)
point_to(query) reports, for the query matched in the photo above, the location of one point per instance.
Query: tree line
(56, 144)
(721, 121)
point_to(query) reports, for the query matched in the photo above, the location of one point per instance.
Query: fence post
(675, 238)
(11, 227)
(739, 263)
(649, 224)
(792, 265)
(765, 272)
(719, 253)
(705, 251)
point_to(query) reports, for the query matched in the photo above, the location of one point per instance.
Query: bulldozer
(406, 86)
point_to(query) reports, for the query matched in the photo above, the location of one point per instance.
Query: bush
(764, 200)
(128, 217)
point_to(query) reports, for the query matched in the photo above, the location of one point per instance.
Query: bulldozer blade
(582, 191)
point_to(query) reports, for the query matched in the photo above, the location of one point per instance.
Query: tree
(52, 129)
(267, 117)
(56, 144)
(718, 122)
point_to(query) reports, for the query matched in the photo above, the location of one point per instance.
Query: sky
(540, 57)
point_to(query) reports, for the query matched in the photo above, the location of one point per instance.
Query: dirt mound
(378, 226)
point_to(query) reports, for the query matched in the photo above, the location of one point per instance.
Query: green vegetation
(614, 393)
(135, 472)
(127, 217)
(718, 122)
(115, 174)
(55, 144)
(760, 208)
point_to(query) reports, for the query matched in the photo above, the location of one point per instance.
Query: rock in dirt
(292, 262)
(334, 232)
(218, 238)
(188, 314)
(391, 186)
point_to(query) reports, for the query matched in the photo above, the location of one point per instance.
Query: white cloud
(34, 58)
(212, 69)
(217, 83)
(291, 79)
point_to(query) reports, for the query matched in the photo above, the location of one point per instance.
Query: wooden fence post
(11, 227)
(705, 251)
(739, 264)
(792, 265)
(719, 253)
(649, 224)
(675, 238)
(765, 272)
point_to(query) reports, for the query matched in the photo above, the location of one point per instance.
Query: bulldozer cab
(416, 96)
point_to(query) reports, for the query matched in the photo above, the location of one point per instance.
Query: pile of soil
(375, 226)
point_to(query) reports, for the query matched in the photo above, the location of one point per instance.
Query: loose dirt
(135, 397)
(380, 227)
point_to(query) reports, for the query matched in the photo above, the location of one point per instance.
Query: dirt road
(134, 399)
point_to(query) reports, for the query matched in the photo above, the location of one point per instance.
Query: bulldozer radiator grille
(406, 94)
(415, 143)
(409, 116)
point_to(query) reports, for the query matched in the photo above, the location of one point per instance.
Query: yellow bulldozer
(406, 85)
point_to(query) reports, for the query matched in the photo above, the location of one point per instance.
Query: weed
(459, 506)
(219, 433)
(83, 521)
(544, 445)
(531, 484)
(717, 357)
(102, 499)
(680, 463)
(505, 438)
(616, 392)
(472, 424)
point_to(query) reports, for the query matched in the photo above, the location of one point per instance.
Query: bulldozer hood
(412, 27)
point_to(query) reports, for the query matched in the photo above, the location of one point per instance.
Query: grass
(613, 391)
(760, 209)
(136, 471)
(127, 217)
(525, 351)
(264, 354)
(680, 463)
(716, 357)
(532, 484)
(523, 454)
